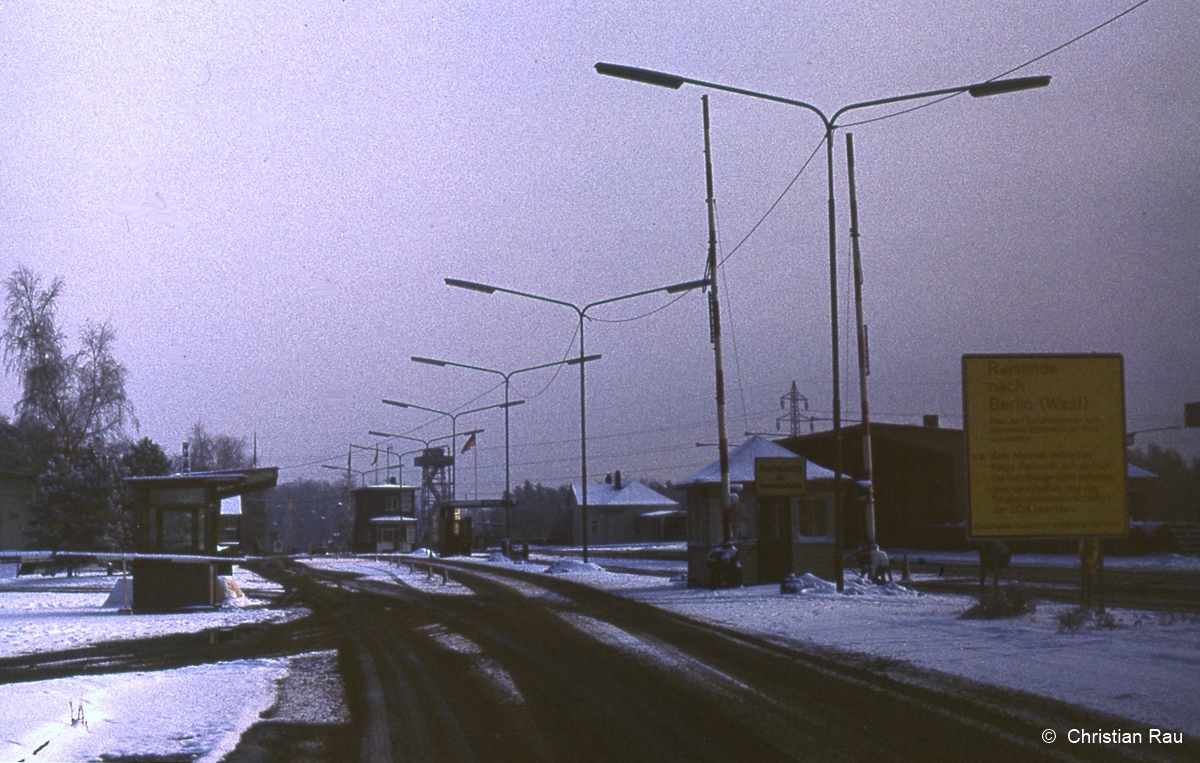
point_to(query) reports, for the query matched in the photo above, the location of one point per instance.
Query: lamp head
(471, 285)
(584, 359)
(640, 75)
(1000, 86)
(687, 286)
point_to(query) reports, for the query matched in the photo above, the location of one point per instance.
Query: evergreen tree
(81, 503)
(1175, 494)
(145, 458)
(541, 513)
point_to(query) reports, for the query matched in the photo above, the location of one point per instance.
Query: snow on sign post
(1045, 441)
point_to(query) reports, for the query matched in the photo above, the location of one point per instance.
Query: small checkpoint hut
(178, 515)
(775, 533)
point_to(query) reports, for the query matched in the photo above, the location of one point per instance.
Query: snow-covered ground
(50, 614)
(198, 711)
(1143, 669)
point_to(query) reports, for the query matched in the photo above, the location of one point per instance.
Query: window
(812, 520)
(177, 530)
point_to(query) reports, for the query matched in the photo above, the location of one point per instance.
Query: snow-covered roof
(1138, 473)
(632, 493)
(741, 463)
(663, 513)
(392, 519)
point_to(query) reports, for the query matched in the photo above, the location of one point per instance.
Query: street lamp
(677, 288)
(978, 90)
(506, 377)
(454, 428)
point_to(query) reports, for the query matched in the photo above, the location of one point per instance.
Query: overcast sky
(263, 202)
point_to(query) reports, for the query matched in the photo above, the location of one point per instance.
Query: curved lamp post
(978, 90)
(506, 376)
(581, 312)
(454, 428)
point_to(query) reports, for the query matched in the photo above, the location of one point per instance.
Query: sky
(263, 201)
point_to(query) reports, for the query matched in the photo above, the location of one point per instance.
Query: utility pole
(791, 403)
(714, 321)
(864, 361)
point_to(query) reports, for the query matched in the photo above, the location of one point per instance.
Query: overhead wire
(791, 183)
(639, 317)
(1017, 68)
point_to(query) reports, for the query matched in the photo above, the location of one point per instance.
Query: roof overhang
(226, 482)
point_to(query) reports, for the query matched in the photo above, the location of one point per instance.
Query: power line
(1030, 62)
(775, 203)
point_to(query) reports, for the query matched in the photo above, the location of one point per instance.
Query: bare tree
(206, 452)
(79, 397)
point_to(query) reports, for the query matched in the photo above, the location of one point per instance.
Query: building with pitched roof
(774, 535)
(625, 512)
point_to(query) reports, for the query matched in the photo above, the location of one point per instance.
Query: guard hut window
(177, 531)
(812, 520)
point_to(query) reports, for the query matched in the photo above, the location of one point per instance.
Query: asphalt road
(510, 665)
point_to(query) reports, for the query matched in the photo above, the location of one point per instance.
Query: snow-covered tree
(77, 397)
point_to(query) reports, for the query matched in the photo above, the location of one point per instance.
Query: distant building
(384, 519)
(625, 512)
(17, 491)
(774, 535)
(921, 495)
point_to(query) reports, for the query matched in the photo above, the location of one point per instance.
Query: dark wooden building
(384, 519)
(920, 482)
(921, 495)
(179, 515)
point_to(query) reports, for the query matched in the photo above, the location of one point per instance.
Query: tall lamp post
(454, 428)
(677, 288)
(978, 90)
(507, 377)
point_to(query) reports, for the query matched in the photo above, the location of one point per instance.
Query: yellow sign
(1045, 445)
(780, 476)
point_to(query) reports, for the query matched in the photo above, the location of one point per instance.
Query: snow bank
(572, 566)
(809, 583)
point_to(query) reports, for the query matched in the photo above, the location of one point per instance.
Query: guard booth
(456, 530)
(384, 519)
(178, 516)
(775, 528)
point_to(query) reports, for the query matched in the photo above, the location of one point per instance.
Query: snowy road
(502, 664)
